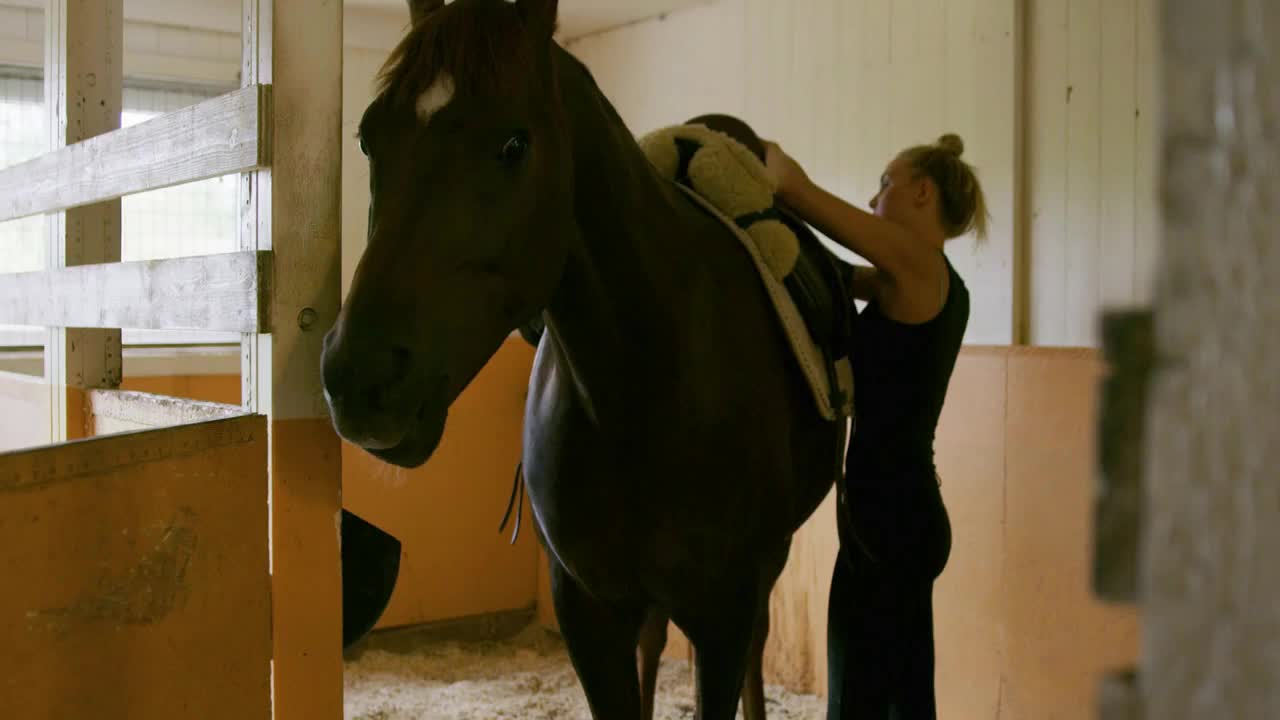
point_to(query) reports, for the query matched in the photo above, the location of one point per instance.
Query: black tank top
(901, 373)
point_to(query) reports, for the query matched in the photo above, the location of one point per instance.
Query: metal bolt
(307, 318)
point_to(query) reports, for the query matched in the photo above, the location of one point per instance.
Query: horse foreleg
(601, 640)
(729, 649)
(721, 656)
(753, 682)
(653, 640)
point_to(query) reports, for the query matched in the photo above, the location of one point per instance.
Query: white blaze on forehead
(435, 98)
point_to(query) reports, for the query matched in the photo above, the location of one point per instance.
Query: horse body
(671, 447)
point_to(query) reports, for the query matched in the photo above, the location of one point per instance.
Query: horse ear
(539, 15)
(420, 9)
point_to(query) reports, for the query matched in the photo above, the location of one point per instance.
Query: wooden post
(84, 78)
(294, 210)
(1210, 577)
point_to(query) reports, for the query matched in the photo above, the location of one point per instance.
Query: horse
(671, 447)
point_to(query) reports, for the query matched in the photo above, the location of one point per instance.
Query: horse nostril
(386, 383)
(366, 377)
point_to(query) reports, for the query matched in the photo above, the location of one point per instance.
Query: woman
(895, 536)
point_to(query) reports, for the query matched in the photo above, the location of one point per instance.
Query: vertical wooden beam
(1021, 282)
(294, 210)
(83, 79)
(1210, 578)
(255, 192)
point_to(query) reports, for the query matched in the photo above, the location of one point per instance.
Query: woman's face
(900, 194)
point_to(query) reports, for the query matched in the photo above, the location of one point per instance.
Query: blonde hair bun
(952, 144)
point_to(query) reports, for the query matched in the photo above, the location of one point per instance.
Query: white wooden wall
(1092, 144)
(845, 84)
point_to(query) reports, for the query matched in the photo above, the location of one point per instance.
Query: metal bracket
(1128, 344)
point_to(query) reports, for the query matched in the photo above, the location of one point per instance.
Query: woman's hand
(786, 174)
(908, 272)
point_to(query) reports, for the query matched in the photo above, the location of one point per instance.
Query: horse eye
(364, 149)
(514, 149)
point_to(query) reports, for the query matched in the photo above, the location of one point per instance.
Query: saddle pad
(729, 181)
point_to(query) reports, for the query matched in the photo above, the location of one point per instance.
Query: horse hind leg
(653, 640)
(601, 640)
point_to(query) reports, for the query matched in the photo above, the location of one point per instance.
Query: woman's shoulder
(956, 305)
(954, 280)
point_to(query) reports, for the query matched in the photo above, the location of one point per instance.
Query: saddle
(719, 162)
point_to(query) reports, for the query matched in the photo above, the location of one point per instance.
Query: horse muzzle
(379, 401)
(406, 440)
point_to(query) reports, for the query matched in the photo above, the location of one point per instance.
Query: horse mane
(482, 46)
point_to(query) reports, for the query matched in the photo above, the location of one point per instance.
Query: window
(22, 137)
(193, 219)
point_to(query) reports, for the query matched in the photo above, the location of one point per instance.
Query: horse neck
(619, 305)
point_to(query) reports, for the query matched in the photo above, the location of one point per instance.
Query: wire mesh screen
(194, 219)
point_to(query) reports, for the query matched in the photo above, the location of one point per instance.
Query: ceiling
(577, 17)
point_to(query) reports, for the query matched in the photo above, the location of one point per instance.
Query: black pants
(880, 652)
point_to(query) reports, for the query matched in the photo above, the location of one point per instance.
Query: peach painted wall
(455, 563)
(209, 388)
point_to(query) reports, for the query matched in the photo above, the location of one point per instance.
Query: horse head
(470, 219)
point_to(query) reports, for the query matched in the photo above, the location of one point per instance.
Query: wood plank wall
(1056, 101)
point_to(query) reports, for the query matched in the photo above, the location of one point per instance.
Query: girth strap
(517, 488)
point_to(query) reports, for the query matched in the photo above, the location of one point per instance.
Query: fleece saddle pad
(803, 281)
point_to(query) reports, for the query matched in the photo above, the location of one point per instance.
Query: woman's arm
(899, 256)
(866, 283)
